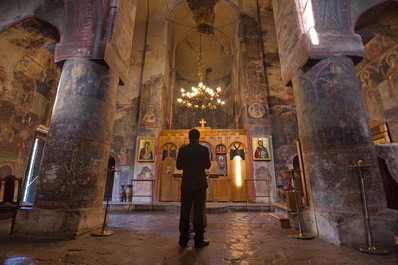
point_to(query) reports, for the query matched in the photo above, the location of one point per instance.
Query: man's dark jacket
(193, 159)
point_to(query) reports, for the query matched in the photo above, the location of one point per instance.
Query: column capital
(313, 30)
(98, 30)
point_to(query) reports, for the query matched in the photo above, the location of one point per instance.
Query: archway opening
(110, 177)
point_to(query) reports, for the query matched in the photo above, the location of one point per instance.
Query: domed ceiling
(216, 57)
(216, 48)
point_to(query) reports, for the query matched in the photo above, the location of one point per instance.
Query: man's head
(194, 135)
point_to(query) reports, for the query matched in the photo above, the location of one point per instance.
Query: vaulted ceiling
(217, 48)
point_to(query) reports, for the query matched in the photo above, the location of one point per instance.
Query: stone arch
(50, 12)
(377, 18)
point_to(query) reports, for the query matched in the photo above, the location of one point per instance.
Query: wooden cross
(203, 123)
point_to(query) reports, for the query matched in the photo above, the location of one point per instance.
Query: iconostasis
(229, 163)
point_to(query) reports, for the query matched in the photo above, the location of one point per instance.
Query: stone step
(280, 220)
(211, 207)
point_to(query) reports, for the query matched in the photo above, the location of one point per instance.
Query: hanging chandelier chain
(200, 66)
(201, 97)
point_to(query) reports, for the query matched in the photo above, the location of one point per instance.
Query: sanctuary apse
(86, 82)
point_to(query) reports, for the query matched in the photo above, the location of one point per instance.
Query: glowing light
(30, 172)
(314, 36)
(238, 171)
(309, 21)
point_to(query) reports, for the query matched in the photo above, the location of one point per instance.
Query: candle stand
(369, 247)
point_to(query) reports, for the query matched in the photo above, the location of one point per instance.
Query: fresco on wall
(292, 50)
(28, 82)
(378, 77)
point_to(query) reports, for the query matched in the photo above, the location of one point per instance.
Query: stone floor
(151, 238)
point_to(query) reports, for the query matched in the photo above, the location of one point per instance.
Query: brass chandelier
(201, 97)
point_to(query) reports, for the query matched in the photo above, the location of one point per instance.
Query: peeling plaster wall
(152, 110)
(281, 99)
(254, 92)
(125, 127)
(28, 83)
(378, 77)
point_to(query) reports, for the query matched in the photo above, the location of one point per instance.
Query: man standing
(193, 159)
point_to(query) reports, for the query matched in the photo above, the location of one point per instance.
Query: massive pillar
(334, 133)
(69, 197)
(316, 45)
(72, 174)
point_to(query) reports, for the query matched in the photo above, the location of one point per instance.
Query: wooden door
(222, 189)
(168, 184)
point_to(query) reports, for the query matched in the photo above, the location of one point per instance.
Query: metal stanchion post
(258, 196)
(300, 234)
(104, 231)
(370, 247)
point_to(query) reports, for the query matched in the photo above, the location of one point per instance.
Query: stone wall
(378, 77)
(28, 83)
(389, 152)
(281, 98)
(125, 127)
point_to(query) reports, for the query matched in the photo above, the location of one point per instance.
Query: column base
(348, 228)
(57, 223)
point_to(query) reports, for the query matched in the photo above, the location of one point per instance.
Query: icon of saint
(261, 151)
(221, 163)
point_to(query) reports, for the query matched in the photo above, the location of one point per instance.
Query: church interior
(296, 101)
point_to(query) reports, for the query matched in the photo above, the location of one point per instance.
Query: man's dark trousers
(197, 199)
(193, 159)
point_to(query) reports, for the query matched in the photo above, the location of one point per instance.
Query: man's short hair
(194, 134)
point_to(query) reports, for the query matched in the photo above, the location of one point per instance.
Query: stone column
(254, 94)
(334, 133)
(72, 176)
